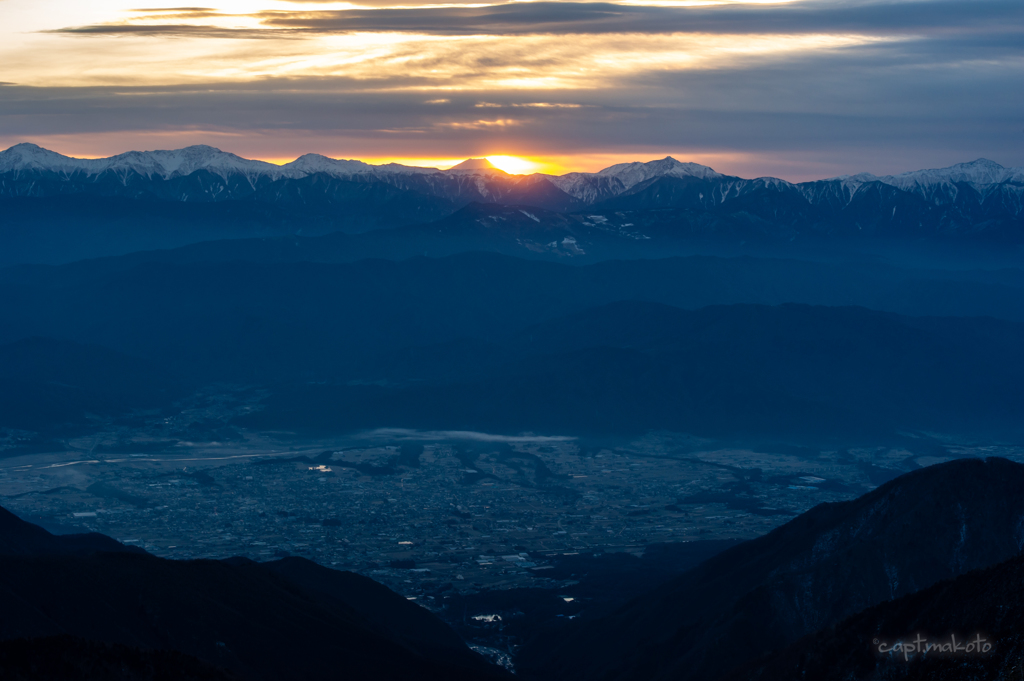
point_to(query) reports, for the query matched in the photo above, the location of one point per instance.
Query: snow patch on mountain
(477, 179)
(976, 173)
(310, 164)
(167, 164)
(592, 187)
(634, 173)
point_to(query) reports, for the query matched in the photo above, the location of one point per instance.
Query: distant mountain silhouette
(291, 619)
(631, 367)
(445, 343)
(807, 575)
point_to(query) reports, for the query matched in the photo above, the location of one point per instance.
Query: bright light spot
(514, 165)
(487, 618)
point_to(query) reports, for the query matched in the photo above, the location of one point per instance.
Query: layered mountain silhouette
(59, 209)
(493, 343)
(281, 620)
(811, 574)
(633, 367)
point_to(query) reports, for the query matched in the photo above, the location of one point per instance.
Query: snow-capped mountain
(634, 173)
(978, 173)
(151, 164)
(491, 183)
(937, 183)
(637, 200)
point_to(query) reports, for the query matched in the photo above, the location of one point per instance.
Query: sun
(514, 165)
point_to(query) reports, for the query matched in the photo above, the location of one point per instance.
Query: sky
(798, 89)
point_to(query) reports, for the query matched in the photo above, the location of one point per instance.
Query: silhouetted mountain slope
(811, 573)
(19, 538)
(989, 602)
(69, 658)
(282, 621)
(415, 627)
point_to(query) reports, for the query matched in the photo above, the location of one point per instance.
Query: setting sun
(514, 165)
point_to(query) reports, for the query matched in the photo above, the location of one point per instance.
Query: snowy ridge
(309, 164)
(978, 174)
(167, 164)
(477, 178)
(634, 173)
(163, 164)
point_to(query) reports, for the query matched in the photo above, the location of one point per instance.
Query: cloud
(814, 88)
(518, 18)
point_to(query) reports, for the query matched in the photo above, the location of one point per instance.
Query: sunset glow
(514, 165)
(557, 82)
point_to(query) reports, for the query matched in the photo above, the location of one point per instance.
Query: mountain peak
(474, 164)
(980, 171)
(634, 173)
(26, 146)
(980, 163)
(318, 163)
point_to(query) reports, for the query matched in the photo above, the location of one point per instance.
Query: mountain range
(29, 170)
(59, 209)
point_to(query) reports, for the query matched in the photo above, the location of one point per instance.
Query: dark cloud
(172, 30)
(874, 102)
(876, 18)
(569, 17)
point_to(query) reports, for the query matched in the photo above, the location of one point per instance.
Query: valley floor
(430, 514)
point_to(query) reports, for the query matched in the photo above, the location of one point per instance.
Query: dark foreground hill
(827, 564)
(987, 602)
(69, 658)
(285, 620)
(18, 538)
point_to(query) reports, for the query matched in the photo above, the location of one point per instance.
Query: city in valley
(427, 512)
(500, 536)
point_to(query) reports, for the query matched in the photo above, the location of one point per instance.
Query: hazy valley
(591, 426)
